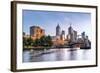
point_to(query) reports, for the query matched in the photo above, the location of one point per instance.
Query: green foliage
(48, 41)
(44, 41)
(27, 41)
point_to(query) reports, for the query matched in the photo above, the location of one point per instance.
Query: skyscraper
(70, 30)
(63, 35)
(58, 30)
(72, 34)
(83, 35)
(75, 35)
(36, 32)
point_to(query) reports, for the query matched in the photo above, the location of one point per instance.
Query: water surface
(56, 55)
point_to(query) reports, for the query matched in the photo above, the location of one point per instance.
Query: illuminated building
(36, 32)
(63, 35)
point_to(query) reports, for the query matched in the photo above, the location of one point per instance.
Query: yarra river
(56, 55)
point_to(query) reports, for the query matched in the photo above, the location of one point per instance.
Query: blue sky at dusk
(48, 20)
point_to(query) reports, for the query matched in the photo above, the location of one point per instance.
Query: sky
(48, 20)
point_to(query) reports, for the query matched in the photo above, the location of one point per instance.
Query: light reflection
(56, 55)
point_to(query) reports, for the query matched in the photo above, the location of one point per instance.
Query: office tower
(58, 30)
(36, 32)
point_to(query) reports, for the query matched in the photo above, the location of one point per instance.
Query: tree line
(44, 41)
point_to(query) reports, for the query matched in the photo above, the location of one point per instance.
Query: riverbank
(41, 47)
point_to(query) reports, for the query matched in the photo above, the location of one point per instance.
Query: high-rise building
(63, 32)
(36, 32)
(87, 42)
(70, 30)
(63, 35)
(83, 35)
(58, 30)
(75, 35)
(72, 35)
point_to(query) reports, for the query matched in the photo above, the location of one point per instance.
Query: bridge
(76, 44)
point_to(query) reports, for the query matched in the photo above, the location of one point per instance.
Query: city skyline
(49, 20)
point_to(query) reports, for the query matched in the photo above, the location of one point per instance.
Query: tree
(37, 42)
(30, 41)
(27, 41)
(49, 41)
(24, 41)
(44, 41)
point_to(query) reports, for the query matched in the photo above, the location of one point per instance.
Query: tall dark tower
(70, 30)
(70, 34)
(58, 30)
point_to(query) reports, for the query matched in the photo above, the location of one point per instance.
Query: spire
(58, 25)
(70, 24)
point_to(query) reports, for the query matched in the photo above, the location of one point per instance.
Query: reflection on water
(56, 55)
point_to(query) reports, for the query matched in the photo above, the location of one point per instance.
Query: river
(56, 55)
